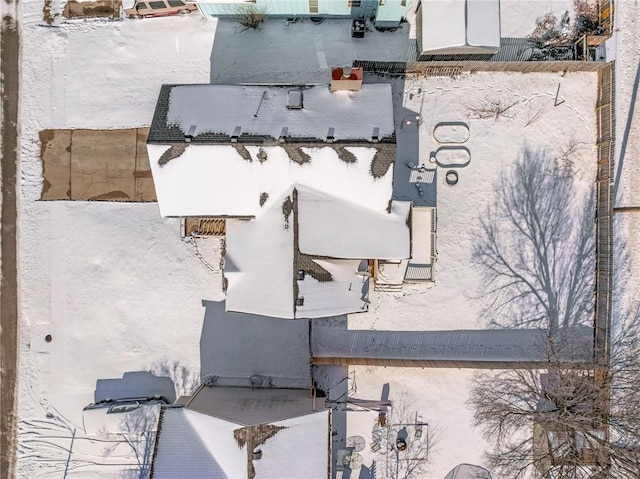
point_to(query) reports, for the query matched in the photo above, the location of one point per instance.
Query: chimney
(346, 78)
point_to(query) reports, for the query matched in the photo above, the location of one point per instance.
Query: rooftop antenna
(264, 94)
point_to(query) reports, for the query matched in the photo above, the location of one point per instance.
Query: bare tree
(535, 247)
(250, 16)
(492, 108)
(555, 38)
(567, 421)
(184, 379)
(59, 445)
(137, 432)
(404, 443)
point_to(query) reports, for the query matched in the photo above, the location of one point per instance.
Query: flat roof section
(249, 407)
(236, 346)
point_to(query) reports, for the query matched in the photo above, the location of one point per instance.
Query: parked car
(159, 8)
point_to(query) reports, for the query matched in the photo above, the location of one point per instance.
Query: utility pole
(66, 467)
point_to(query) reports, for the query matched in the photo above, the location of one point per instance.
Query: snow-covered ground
(534, 121)
(627, 156)
(118, 290)
(113, 284)
(439, 396)
(517, 18)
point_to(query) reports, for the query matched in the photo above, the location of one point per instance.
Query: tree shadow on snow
(535, 247)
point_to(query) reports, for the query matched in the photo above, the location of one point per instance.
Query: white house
(385, 13)
(303, 178)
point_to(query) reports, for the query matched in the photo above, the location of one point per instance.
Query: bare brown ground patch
(96, 9)
(96, 165)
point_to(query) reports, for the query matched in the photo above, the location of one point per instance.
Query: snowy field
(440, 398)
(118, 290)
(113, 284)
(494, 145)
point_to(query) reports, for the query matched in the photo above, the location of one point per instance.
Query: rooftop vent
(331, 135)
(190, 134)
(300, 301)
(283, 134)
(259, 381)
(236, 134)
(375, 136)
(294, 99)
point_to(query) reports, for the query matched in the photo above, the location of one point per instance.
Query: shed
(465, 29)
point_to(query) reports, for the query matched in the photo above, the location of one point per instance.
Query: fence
(605, 110)
(605, 14)
(452, 68)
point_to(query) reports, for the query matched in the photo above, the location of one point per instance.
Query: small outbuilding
(458, 29)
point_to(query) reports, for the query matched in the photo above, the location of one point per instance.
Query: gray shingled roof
(180, 452)
(493, 345)
(236, 346)
(352, 120)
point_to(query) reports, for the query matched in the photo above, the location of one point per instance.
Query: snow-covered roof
(298, 450)
(347, 291)
(314, 198)
(215, 180)
(259, 262)
(216, 112)
(262, 261)
(195, 445)
(450, 27)
(135, 384)
(338, 228)
(468, 471)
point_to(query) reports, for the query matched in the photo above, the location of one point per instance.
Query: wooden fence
(605, 110)
(452, 68)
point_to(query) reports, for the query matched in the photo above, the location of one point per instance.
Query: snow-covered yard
(113, 284)
(118, 290)
(439, 397)
(533, 117)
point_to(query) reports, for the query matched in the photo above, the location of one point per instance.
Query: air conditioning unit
(259, 381)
